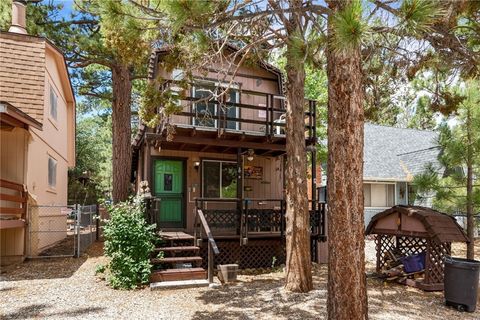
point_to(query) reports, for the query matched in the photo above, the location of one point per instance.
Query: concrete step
(178, 274)
(178, 284)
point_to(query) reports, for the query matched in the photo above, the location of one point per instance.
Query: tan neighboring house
(37, 138)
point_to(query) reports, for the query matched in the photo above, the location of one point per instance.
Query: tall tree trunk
(298, 262)
(121, 132)
(470, 220)
(347, 296)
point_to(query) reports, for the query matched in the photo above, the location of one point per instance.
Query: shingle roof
(439, 226)
(397, 153)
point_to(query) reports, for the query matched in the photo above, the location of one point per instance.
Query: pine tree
(457, 189)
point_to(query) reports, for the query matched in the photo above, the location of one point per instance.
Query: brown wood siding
(271, 186)
(248, 79)
(22, 73)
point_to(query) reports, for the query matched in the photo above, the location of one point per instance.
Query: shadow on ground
(49, 268)
(41, 311)
(265, 298)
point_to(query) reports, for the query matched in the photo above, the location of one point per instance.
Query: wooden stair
(180, 266)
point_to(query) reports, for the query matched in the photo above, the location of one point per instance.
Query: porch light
(196, 164)
(250, 154)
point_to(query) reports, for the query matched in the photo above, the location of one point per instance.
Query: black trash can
(461, 283)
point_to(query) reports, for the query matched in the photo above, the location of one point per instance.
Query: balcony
(210, 122)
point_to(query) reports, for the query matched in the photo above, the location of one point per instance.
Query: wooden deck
(175, 235)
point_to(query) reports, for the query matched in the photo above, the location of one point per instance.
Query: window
(53, 103)
(207, 111)
(52, 172)
(219, 179)
(379, 194)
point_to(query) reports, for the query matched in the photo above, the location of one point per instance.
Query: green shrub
(128, 243)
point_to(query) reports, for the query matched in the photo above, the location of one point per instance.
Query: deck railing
(248, 220)
(13, 209)
(195, 112)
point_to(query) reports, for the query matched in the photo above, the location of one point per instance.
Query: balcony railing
(259, 113)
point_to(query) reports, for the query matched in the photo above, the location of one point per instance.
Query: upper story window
(53, 103)
(208, 112)
(52, 172)
(177, 74)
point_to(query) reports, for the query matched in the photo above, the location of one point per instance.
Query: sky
(67, 6)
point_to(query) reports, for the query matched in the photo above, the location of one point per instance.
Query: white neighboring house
(392, 157)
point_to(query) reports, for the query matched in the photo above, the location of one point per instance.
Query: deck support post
(210, 263)
(239, 189)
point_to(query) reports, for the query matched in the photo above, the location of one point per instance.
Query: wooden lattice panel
(435, 261)
(383, 243)
(264, 220)
(222, 219)
(411, 245)
(256, 254)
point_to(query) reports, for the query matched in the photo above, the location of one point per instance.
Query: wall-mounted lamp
(196, 164)
(250, 154)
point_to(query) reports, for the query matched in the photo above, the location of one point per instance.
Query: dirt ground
(68, 289)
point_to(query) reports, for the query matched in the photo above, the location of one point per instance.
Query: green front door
(168, 182)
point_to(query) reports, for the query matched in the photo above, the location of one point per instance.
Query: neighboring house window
(219, 179)
(53, 103)
(379, 194)
(52, 172)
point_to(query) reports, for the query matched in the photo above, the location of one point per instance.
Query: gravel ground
(68, 288)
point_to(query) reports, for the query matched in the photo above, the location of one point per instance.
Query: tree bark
(470, 220)
(347, 297)
(298, 261)
(121, 132)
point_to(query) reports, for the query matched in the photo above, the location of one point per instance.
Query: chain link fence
(86, 226)
(60, 231)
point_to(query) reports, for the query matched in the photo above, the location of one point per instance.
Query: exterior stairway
(180, 264)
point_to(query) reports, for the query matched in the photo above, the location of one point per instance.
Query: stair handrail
(212, 245)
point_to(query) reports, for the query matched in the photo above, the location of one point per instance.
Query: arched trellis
(408, 230)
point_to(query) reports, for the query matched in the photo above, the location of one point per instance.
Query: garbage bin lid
(461, 262)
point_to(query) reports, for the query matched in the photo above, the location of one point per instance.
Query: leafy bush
(128, 243)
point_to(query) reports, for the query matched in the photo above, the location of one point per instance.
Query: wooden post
(282, 218)
(271, 115)
(210, 263)
(97, 223)
(267, 99)
(239, 190)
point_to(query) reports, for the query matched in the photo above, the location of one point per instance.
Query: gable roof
(398, 154)
(165, 49)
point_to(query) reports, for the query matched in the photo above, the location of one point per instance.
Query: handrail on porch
(212, 245)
